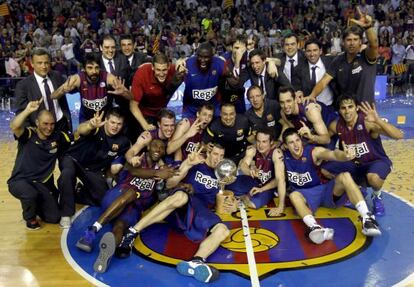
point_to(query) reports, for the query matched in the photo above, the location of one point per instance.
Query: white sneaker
(65, 222)
(318, 235)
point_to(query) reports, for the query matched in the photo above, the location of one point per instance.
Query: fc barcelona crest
(279, 243)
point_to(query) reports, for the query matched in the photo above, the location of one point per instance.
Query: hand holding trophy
(225, 172)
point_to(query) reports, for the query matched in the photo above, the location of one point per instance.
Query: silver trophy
(226, 172)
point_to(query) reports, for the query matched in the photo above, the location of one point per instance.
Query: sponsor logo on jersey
(205, 94)
(265, 176)
(96, 104)
(360, 149)
(143, 184)
(191, 147)
(206, 180)
(356, 70)
(299, 179)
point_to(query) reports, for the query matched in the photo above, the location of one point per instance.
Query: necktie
(313, 77)
(49, 99)
(111, 67)
(292, 66)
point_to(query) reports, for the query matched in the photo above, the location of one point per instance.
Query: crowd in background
(69, 29)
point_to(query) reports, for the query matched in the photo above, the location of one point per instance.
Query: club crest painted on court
(279, 243)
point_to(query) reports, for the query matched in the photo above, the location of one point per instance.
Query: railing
(7, 87)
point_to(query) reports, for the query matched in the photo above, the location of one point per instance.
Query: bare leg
(299, 203)
(162, 210)
(345, 183)
(117, 206)
(218, 234)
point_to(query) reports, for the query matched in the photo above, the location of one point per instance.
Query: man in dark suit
(314, 70)
(135, 59)
(117, 64)
(292, 60)
(258, 75)
(41, 84)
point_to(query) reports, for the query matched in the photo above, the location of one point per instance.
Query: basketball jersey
(367, 148)
(190, 144)
(302, 172)
(266, 166)
(94, 97)
(202, 87)
(144, 186)
(204, 182)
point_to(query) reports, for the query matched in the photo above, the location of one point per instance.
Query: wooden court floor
(34, 258)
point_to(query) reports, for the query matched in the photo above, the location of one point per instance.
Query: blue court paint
(387, 260)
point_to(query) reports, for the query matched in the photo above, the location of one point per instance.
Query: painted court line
(254, 278)
(71, 261)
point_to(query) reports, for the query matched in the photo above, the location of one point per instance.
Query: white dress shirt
(326, 95)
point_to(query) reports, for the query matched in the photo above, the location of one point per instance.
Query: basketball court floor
(282, 255)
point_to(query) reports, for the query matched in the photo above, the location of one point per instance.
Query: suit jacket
(295, 81)
(138, 59)
(272, 85)
(306, 85)
(28, 90)
(121, 65)
(122, 70)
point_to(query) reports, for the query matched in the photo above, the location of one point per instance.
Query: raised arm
(314, 115)
(183, 132)
(16, 125)
(118, 86)
(71, 83)
(142, 142)
(376, 125)
(94, 123)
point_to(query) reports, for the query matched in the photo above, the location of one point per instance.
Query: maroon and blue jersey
(190, 145)
(367, 149)
(266, 166)
(93, 96)
(204, 182)
(302, 173)
(144, 187)
(202, 87)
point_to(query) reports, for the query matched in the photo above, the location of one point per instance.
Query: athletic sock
(310, 221)
(97, 225)
(362, 208)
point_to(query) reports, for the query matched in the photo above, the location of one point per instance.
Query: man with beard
(93, 88)
(125, 203)
(264, 112)
(189, 133)
(206, 73)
